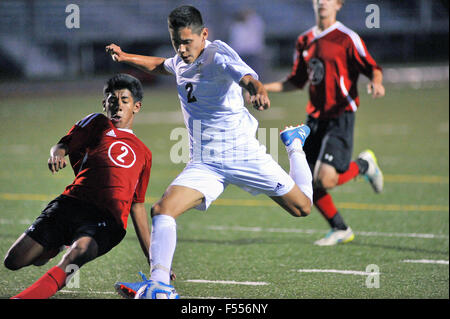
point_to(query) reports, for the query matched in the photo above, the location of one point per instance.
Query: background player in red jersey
(330, 58)
(112, 171)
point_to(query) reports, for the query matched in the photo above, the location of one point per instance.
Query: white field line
(426, 261)
(336, 271)
(314, 231)
(7, 221)
(228, 282)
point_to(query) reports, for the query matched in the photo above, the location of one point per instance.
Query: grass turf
(248, 239)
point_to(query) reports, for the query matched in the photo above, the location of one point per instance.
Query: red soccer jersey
(112, 166)
(331, 62)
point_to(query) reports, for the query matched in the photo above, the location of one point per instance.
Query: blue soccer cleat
(128, 290)
(290, 134)
(156, 290)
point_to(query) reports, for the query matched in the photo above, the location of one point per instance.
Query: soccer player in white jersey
(223, 147)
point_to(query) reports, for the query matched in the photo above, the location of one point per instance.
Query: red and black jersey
(112, 166)
(331, 61)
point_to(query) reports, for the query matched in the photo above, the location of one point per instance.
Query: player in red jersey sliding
(330, 57)
(112, 171)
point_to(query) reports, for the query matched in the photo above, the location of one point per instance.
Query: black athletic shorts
(65, 219)
(330, 141)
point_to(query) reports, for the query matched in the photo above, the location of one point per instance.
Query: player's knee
(304, 210)
(156, 210)
(81, 252)
(301, 210)
(326, 182)
(162, 208)
(307, 210)
(327, 178)
(11, 263)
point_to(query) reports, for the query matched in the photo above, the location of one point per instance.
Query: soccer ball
(156, 290)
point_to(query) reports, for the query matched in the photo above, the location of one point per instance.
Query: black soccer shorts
(65, 219)
(330, 141)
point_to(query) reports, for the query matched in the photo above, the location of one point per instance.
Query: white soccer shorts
(260, 176)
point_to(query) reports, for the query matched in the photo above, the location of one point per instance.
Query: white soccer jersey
(219, 125)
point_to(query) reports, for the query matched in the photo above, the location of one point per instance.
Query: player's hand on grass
(116, 52)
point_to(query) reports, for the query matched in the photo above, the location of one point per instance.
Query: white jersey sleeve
(231, 63)
(169, 65)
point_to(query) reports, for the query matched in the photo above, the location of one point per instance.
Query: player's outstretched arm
(150, 64)
(258, 94)
(141, 226)
(280, 86)
(57, 159)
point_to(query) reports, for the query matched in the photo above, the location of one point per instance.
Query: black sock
(337, 222)
(363, 165)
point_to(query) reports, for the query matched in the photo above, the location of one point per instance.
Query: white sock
(299, 168)
(162, 247)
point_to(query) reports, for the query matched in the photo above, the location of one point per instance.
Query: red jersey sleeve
(299, 73)
(80, 136)
(142, 184)
(361, 58)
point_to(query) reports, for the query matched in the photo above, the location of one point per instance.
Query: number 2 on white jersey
(189, 88)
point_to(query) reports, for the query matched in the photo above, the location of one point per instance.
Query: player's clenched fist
(256, 93)
(260, 101)
(375, 89)
(56, 160)
(116, 52)
(55, 163)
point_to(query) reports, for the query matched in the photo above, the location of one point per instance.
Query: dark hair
(124, 81)
(186, 17)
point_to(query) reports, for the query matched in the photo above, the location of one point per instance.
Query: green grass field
(246, 239)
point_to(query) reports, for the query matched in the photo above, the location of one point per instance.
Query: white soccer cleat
(156, 290)
(335, 237)
(373, 174)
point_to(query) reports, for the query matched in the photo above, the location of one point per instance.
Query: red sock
(46, 286)
(324, 203)
(352, 172)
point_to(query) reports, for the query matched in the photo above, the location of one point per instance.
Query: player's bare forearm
(150, 64)
(280, 86)
(258, 94)
(377, 76)
(375, 87)
(57, 160)
(139, 217)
